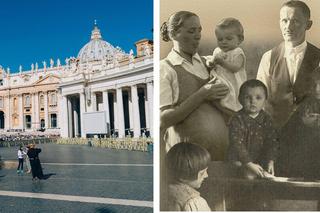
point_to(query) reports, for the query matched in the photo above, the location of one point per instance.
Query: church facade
(102, 86)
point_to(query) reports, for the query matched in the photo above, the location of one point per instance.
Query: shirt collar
(295, 50)
(176, 59)
(259, 119)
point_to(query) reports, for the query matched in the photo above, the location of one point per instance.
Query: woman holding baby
(187, 112)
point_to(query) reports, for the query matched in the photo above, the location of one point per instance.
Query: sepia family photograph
(76, 106)
(239, 105)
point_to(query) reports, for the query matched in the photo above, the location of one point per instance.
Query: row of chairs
(137, 144)
(26, 142)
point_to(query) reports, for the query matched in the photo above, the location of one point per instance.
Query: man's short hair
(298, 4)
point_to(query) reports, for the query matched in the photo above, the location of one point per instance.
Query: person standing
(36, 169)
(21, 153)
(186, 109)
(286, 70)
(27, 159)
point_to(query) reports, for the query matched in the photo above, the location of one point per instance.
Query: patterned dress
(252, 139)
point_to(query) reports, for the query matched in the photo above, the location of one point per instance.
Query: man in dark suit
(286, 69)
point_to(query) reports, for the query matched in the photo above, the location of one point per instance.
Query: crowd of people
(209, 110)
(12, 136)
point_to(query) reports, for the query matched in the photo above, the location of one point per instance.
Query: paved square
(81, 179)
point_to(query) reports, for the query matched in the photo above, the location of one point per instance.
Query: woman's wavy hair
(174, 23)
(185, 160)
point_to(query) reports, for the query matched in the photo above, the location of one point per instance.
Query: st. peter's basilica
(63, 99)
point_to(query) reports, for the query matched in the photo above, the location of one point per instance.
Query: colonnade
(128, 110)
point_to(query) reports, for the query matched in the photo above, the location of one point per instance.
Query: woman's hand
(172, 115)
(210, 62)
(255, 168)
(214, 91)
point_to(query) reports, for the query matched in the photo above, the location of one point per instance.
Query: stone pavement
(80, 179)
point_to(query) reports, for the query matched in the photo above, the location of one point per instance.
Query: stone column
(64, 117)
(75, 118)
(93, 102)
(131, 124)
(115, 110)
(33, 113)
(37, 111)
(120, 115)
(46, 109)
(136, 115)
(105, 99)
(59, 109)
(69, 115)
(7, 107)
(82, 110)
(21, 120)
(150, 106)
(146, 108)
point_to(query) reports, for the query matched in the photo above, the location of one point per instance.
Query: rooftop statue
(147, 50)
(51, 62)
(58, 62)
(131, 56)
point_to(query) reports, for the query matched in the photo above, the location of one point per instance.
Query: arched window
(53, 99)
(42, 124)
(53, 119)
(28, 121)
(15, 120)
(15, 104)
(27, 101)
(41, 102)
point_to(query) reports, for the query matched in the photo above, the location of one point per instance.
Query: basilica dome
(97, 49)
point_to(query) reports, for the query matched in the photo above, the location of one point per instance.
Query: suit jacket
(283, 94)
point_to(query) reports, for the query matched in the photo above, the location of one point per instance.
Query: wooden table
(226, 184)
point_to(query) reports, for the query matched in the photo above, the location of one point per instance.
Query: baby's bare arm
(233, 67)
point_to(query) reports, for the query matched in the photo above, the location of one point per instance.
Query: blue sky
(37, 30)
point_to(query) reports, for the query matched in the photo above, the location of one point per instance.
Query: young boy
(187, 165)
(253, 138)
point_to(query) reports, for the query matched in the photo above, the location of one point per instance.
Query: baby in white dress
(228, 61)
